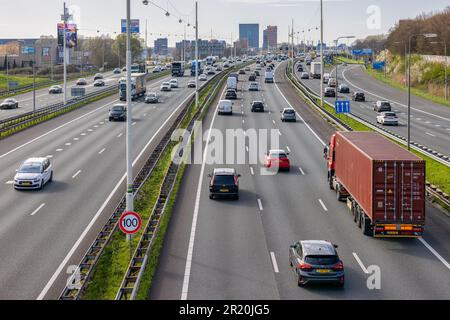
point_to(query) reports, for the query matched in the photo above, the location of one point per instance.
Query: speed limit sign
(130, 222)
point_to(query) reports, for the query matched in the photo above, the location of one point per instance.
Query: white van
(225, 107)
(326, 78)
(232, 83)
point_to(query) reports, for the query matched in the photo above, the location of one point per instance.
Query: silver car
(34, 173)
(151, 97)
(288, 114)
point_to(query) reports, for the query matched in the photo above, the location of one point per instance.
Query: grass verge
(414, 90)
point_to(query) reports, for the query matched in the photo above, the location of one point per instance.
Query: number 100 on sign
(130, 222)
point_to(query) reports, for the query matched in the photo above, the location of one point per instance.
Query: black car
(231, 95)
(252, 78)
(359, 96)
(329, 92)
(98, 76)
(242, 71)
(257, 73)
(343, 88)
(118, 112)
(55, 90)
(224, 182)
(9, 104)
(257, 106)
(316, 261)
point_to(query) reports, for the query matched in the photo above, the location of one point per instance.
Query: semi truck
(178, 69)
(382, 183)
(138, 88)
(315, 72)
(138, 68)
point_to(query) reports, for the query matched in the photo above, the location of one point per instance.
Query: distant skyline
(219, 17)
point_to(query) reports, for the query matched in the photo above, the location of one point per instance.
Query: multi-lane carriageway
(42, 233)
(238, 249)
(219, 249)
(430, 122)
(44, 99)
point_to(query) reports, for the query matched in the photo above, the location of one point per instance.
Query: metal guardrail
(444, 159)
(432, 191)
(91, 258)
(131, 281)
(18, 122)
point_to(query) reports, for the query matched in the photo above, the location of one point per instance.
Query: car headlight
(36, 180)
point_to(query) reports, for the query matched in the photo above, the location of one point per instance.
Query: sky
(359, 18)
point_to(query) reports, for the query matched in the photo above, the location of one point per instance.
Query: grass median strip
(114, 261)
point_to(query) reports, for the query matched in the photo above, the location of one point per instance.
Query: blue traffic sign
(342, 106)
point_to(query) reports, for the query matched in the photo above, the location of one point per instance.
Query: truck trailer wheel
(366, 226)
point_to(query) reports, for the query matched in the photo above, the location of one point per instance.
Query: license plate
(26, 183)
(323, 270)
(224, 190)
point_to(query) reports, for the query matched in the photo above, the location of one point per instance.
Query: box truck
(315, 72)
(232, 83)
(178, 69)
(138, 87)
(268, 77)
(382, 183)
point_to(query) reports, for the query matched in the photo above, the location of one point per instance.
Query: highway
(43, 98)
(430, 122)
(232, 250)
(43, 232)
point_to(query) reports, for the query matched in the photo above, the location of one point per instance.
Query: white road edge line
(187, 270)
(274, 263)
(37, 210)
(100, 210)
(301, 170)
(323, 205)
(101, 151)
(252, 171)
(360, 263)
(437, 255)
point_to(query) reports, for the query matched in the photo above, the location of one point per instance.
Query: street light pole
(196, 56)
(65, 18)
(129, 196)
(321, 54)
(426, 35)
(337, 80)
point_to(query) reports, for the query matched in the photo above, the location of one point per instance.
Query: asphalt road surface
(430, 122)
(44, 232)
(231, 250)
(44, 99)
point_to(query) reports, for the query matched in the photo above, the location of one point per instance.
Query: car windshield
(385, 104)
(33, 167)
(278, 155)
(117, 108)
(289, 111)
(225, 180)
(9, 101)
(321, 260)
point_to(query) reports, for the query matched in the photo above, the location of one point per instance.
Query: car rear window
(289, 111)
(278, 155)
(321, 260)
(117, 108)
(389, 114)
(226, 180)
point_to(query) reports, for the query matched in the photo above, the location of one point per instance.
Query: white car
(166, 86)
(225, 107)
(253, 86)
(387, 118)
(203, 77)
(34, 173)
(326, 78)
(174, 83)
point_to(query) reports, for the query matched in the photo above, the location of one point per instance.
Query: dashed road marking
(430, 134)
(323, 205)
(261, 208)
(274, 262)
(101, 151)
(37, 210)
(76, 174)
(360, 263)
(252, 171)
(301, 171)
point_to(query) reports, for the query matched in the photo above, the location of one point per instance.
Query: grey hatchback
(316, 261)
(288, 114)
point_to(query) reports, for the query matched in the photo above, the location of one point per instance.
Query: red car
(278, 159)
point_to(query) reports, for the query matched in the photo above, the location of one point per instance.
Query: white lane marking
(83, 134)
(90, 130)
(76, 174)
(323, 205)
(437, 255)
(37, 210)
(396, 102)
(298, 115)
(76, 139)
(101, 151)
(187, 270)
(50, 156)
(273, 121)
(134, 123)
(246, 148)
(261, 208)
(68, 144)
(59, 150)
(10, 182)
(301, 171)
(288, 149)
(102, 207)
(53, 130)
(144, 113)
(274, 262)
(437, 125)
(279, 133)
(120, 134)
(360, 263)
(243, 121)
(95, 126)
(252, 171)
(430, 134)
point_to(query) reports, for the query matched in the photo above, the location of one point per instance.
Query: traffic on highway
(190, 163)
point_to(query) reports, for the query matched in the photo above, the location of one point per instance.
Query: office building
(270, 37)
(250, 32)
(161, 47)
